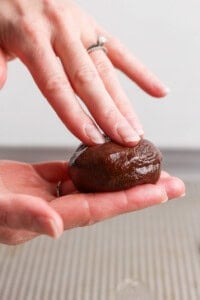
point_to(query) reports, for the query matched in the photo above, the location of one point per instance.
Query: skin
(29, 205)
(51, 37)
(41, 31)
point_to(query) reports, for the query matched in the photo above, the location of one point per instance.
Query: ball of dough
(111, 167)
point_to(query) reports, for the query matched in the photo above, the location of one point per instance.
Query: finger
(67, 187)
(15, 236)
(52, 171)
(29, 213)
(3, 68)
(174, 186)
(56, 172)
(84, 209)
(124, 60)
(164, 174)
(53, 82)
(89, 86)
(112, 85)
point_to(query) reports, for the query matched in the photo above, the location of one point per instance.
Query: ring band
(58, 189)
(99, 45)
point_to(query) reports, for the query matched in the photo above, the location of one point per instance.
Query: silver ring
(99, 45)
(58, 189)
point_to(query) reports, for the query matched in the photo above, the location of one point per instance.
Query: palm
(31, 179)
(29, 205)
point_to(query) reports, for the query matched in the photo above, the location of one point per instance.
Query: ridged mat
(153, 254)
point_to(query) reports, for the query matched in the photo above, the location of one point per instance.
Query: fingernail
(94, 134)
(131, 139)
(165, 90)
(165, 197)
(165, 200)
(55, 229)
(135, 123)
(161, 89)
(47, 226)
(183, 195)
(140, 131)
(128, 135)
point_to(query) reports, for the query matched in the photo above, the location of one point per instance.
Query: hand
(29, 206)
(41, 31)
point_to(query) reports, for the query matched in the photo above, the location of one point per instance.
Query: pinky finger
(24, 212)
(124, 60)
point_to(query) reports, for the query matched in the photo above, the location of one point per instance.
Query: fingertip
(51, 226)
(167, 90)
(3, 69)
(132, 140)
(159, 91)
(93, 135)
(126, 135)
(175, 188)
(57, 227)
(3, 75)
(178, 188)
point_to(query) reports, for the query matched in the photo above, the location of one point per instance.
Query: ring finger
(112, 85)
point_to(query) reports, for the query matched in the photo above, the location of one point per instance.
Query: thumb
(3, 68)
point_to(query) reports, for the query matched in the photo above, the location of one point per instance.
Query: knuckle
(48, 2)
(56, 84)
(111, 115)
(55, 11)
(59, 13)
(30, 38)
(27, 26)
(114, 119)
(103, 68)
(88, 214)
(84, 75)
(32, 29)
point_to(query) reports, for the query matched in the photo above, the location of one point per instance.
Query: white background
(165, 35)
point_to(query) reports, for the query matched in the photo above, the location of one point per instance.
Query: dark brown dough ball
(112, 167)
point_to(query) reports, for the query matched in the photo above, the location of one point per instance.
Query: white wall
(165, 35)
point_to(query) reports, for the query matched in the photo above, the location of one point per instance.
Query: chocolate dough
(111, 167)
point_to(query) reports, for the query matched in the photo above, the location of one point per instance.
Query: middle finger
(88, 85)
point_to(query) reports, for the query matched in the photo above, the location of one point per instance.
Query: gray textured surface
(180, 162)
(152, 254)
